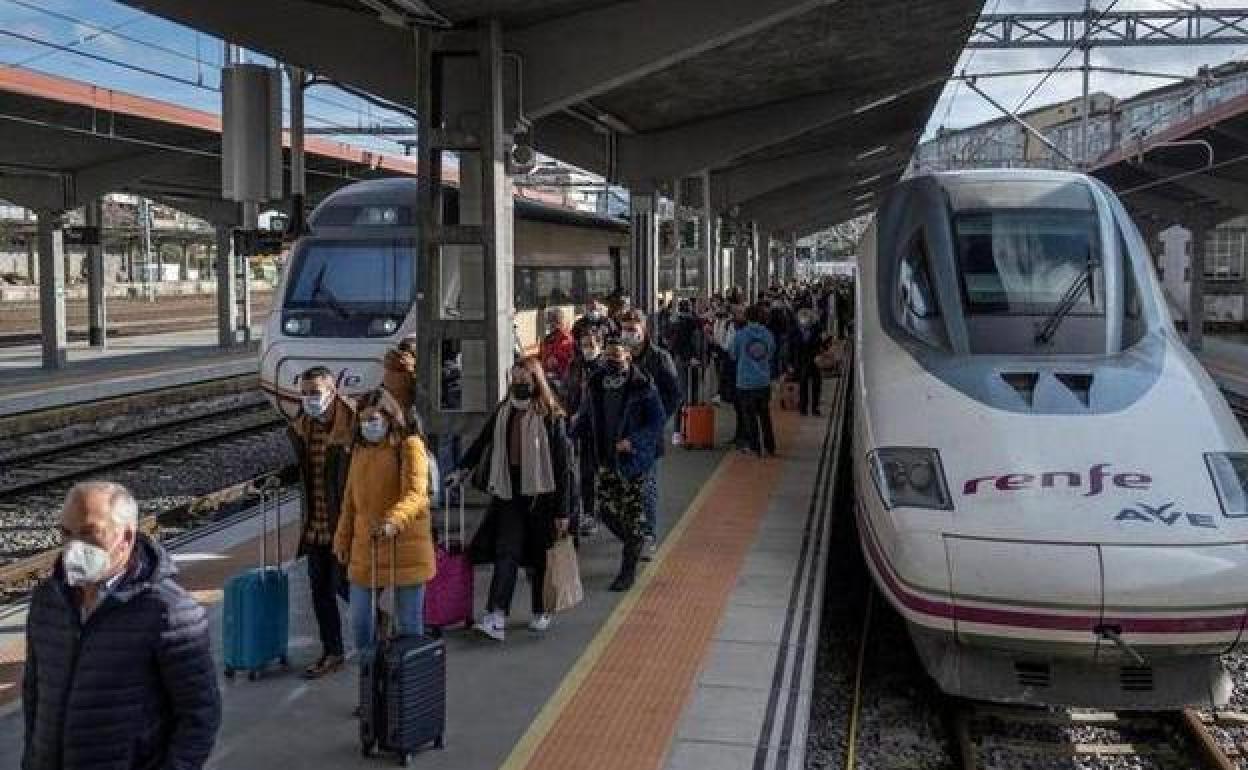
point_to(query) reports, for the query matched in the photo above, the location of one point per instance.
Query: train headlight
(297, 327)
(382, 327)
(1230, 478)
(910, 477)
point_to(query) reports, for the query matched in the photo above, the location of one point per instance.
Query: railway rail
(31, 471)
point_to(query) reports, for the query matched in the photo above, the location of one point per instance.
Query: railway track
(29, 472)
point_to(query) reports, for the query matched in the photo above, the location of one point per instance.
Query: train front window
(1032, 280)
(349, 288)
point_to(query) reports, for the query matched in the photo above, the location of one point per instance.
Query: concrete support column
(51, 245)
(644, 215)
(1199, 227)
(710, 240)
(764, 259)
(32, 261)
(97, 312)
(741, 243)
(226, 287)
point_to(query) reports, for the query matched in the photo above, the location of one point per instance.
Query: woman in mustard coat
(387, 496)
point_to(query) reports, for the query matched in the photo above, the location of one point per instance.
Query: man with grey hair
(119, 670)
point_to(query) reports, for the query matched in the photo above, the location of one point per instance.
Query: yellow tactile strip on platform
(625, 710)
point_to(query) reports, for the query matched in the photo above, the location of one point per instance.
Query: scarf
(537, 476)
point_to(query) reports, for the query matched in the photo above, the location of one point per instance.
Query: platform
(706, 663)
(1226, 359)
(127, 366)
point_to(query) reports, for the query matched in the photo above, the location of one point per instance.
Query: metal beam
(52, 325)
(1205, 26)
(41, 192)
(91, 182)
(716, 142)
(295, 32)
(573, 58)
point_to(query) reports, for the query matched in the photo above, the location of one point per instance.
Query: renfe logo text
(1098, 477)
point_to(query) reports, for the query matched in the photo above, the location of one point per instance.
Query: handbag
(562, 589)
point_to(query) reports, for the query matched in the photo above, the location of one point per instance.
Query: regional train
(349, 291)
(1051, 491)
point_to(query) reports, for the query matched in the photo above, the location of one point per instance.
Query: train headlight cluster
(297, 327)
(910, 477)
(1230, 478)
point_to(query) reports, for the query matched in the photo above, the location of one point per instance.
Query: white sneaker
(677, 439)
(716, 400)
(650, 549)
(493, 625)
(540, 623)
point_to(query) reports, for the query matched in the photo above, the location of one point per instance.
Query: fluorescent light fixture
(872, 152)
(865, 196)
(864, 206)
(868, 180)
(877, 103)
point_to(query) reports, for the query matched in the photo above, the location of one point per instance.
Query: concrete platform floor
(743, 533)
(128, 365)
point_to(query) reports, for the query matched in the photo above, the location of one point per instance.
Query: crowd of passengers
(119, 670)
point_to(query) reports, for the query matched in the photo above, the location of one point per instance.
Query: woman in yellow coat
(387, 496)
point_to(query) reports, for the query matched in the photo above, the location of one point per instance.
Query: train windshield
(341, 287)
(1022, 262)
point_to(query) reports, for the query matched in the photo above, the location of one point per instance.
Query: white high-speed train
(1051, 491)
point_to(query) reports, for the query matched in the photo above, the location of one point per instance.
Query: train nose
(281, 369)
(1133, 602)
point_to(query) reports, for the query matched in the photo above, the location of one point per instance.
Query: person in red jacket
(557, 350)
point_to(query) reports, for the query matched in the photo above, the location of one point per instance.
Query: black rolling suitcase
(402, 689)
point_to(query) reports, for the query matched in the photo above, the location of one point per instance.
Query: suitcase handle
(269, 489)
(446, 518)
(373, 588)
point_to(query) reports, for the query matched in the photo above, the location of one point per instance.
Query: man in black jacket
(119, 671)
(658, 365)
(321, 436)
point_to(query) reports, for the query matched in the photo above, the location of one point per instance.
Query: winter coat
(802, 347)
(134, 686)
(544, 509)
(337, 459)
(556, 353)
(387, 483)
(578, 381)
(641, 422)
(685, 339)
(658, 365)
(398, 373)
(754, 350)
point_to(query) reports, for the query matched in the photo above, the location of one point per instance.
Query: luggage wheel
(229, 673)
(405, 759)
(284, 662)
(366, 749)
(438, 743)
(253, 675)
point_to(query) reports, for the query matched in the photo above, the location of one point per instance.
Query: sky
(189, 63)
(959, 106)
(162, 60)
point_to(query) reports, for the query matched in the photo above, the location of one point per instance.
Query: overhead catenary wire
(196, 59)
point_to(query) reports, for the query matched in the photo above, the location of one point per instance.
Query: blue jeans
(411, 618)
(650, 499)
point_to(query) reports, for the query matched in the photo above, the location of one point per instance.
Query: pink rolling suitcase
(448, 597)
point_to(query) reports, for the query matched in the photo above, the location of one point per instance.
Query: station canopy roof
(798, 108)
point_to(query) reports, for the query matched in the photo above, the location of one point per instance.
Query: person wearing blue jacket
(621, 421)
(754, 350)
(657, 364)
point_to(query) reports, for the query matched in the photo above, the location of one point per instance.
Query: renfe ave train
(1050, 489)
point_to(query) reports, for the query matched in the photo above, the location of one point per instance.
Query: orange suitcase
(699, 431)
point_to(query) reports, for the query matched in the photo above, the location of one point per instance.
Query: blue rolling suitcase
(256, 623)
(402, 691)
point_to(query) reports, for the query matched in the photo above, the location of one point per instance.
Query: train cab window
(1134, 325)
(917, 308)
(1031, 280)
(351, 288)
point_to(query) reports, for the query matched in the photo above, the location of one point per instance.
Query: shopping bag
(562, 590)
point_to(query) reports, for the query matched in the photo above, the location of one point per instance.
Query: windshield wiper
(1082, 283)
(319, 290)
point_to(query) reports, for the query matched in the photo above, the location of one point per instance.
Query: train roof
(378, 192)
(1009, 188)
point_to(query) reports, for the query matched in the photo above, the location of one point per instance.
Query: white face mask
(84, 563)
(316, 405)
(374, 430)
(590, 354)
